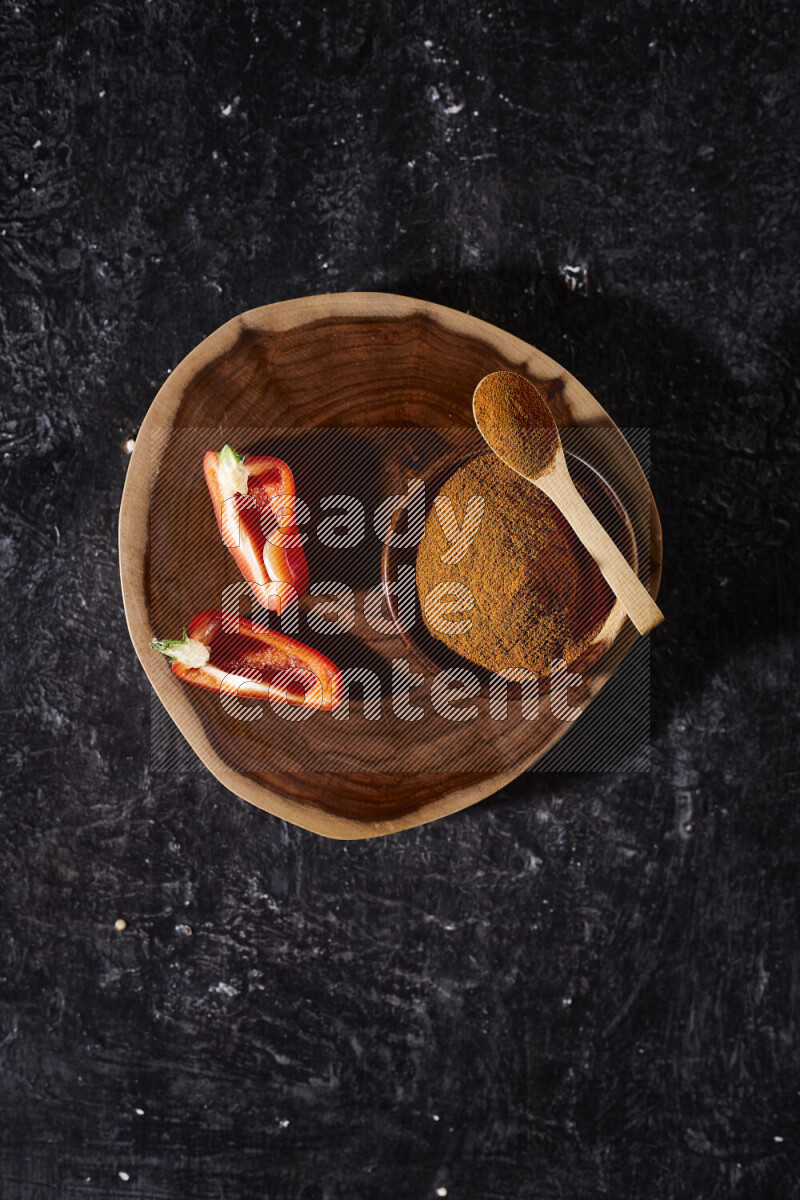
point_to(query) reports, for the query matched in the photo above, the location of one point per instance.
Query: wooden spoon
(513, 418)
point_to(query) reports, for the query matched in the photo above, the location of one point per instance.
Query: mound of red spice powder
(538, 595)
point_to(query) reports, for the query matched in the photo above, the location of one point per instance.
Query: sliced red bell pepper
(254, 503)
(253, 661)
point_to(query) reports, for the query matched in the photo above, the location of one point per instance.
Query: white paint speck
(683, 813)
(436, 1117)
(566, 1002)
(124, 1176)
(224, 989)
(187, 929)
(441, 1191)
(101, 94)
(284, 1122)
(428, 43)
(575, 277)
(227, 109)
(37, 143)
(131, 442)
(139, 1112)
(452, 109)
(777, 1138)
(121, 924)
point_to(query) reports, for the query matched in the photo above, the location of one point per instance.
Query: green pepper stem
(188, 651)
(232, 469)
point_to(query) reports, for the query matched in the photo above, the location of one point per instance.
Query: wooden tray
(365, 388)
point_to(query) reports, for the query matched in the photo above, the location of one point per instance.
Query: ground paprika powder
(535, 588)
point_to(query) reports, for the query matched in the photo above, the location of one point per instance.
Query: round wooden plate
(359, 393)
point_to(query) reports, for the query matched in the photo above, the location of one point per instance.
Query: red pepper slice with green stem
(254, 503)
(252, 661)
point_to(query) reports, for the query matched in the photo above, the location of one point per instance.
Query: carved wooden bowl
(358, 392)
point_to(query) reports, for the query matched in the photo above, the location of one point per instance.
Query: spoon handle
(617, 572)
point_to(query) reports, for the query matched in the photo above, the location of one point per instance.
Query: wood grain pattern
(320, 381)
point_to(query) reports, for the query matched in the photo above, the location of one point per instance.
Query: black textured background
(588, 985)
